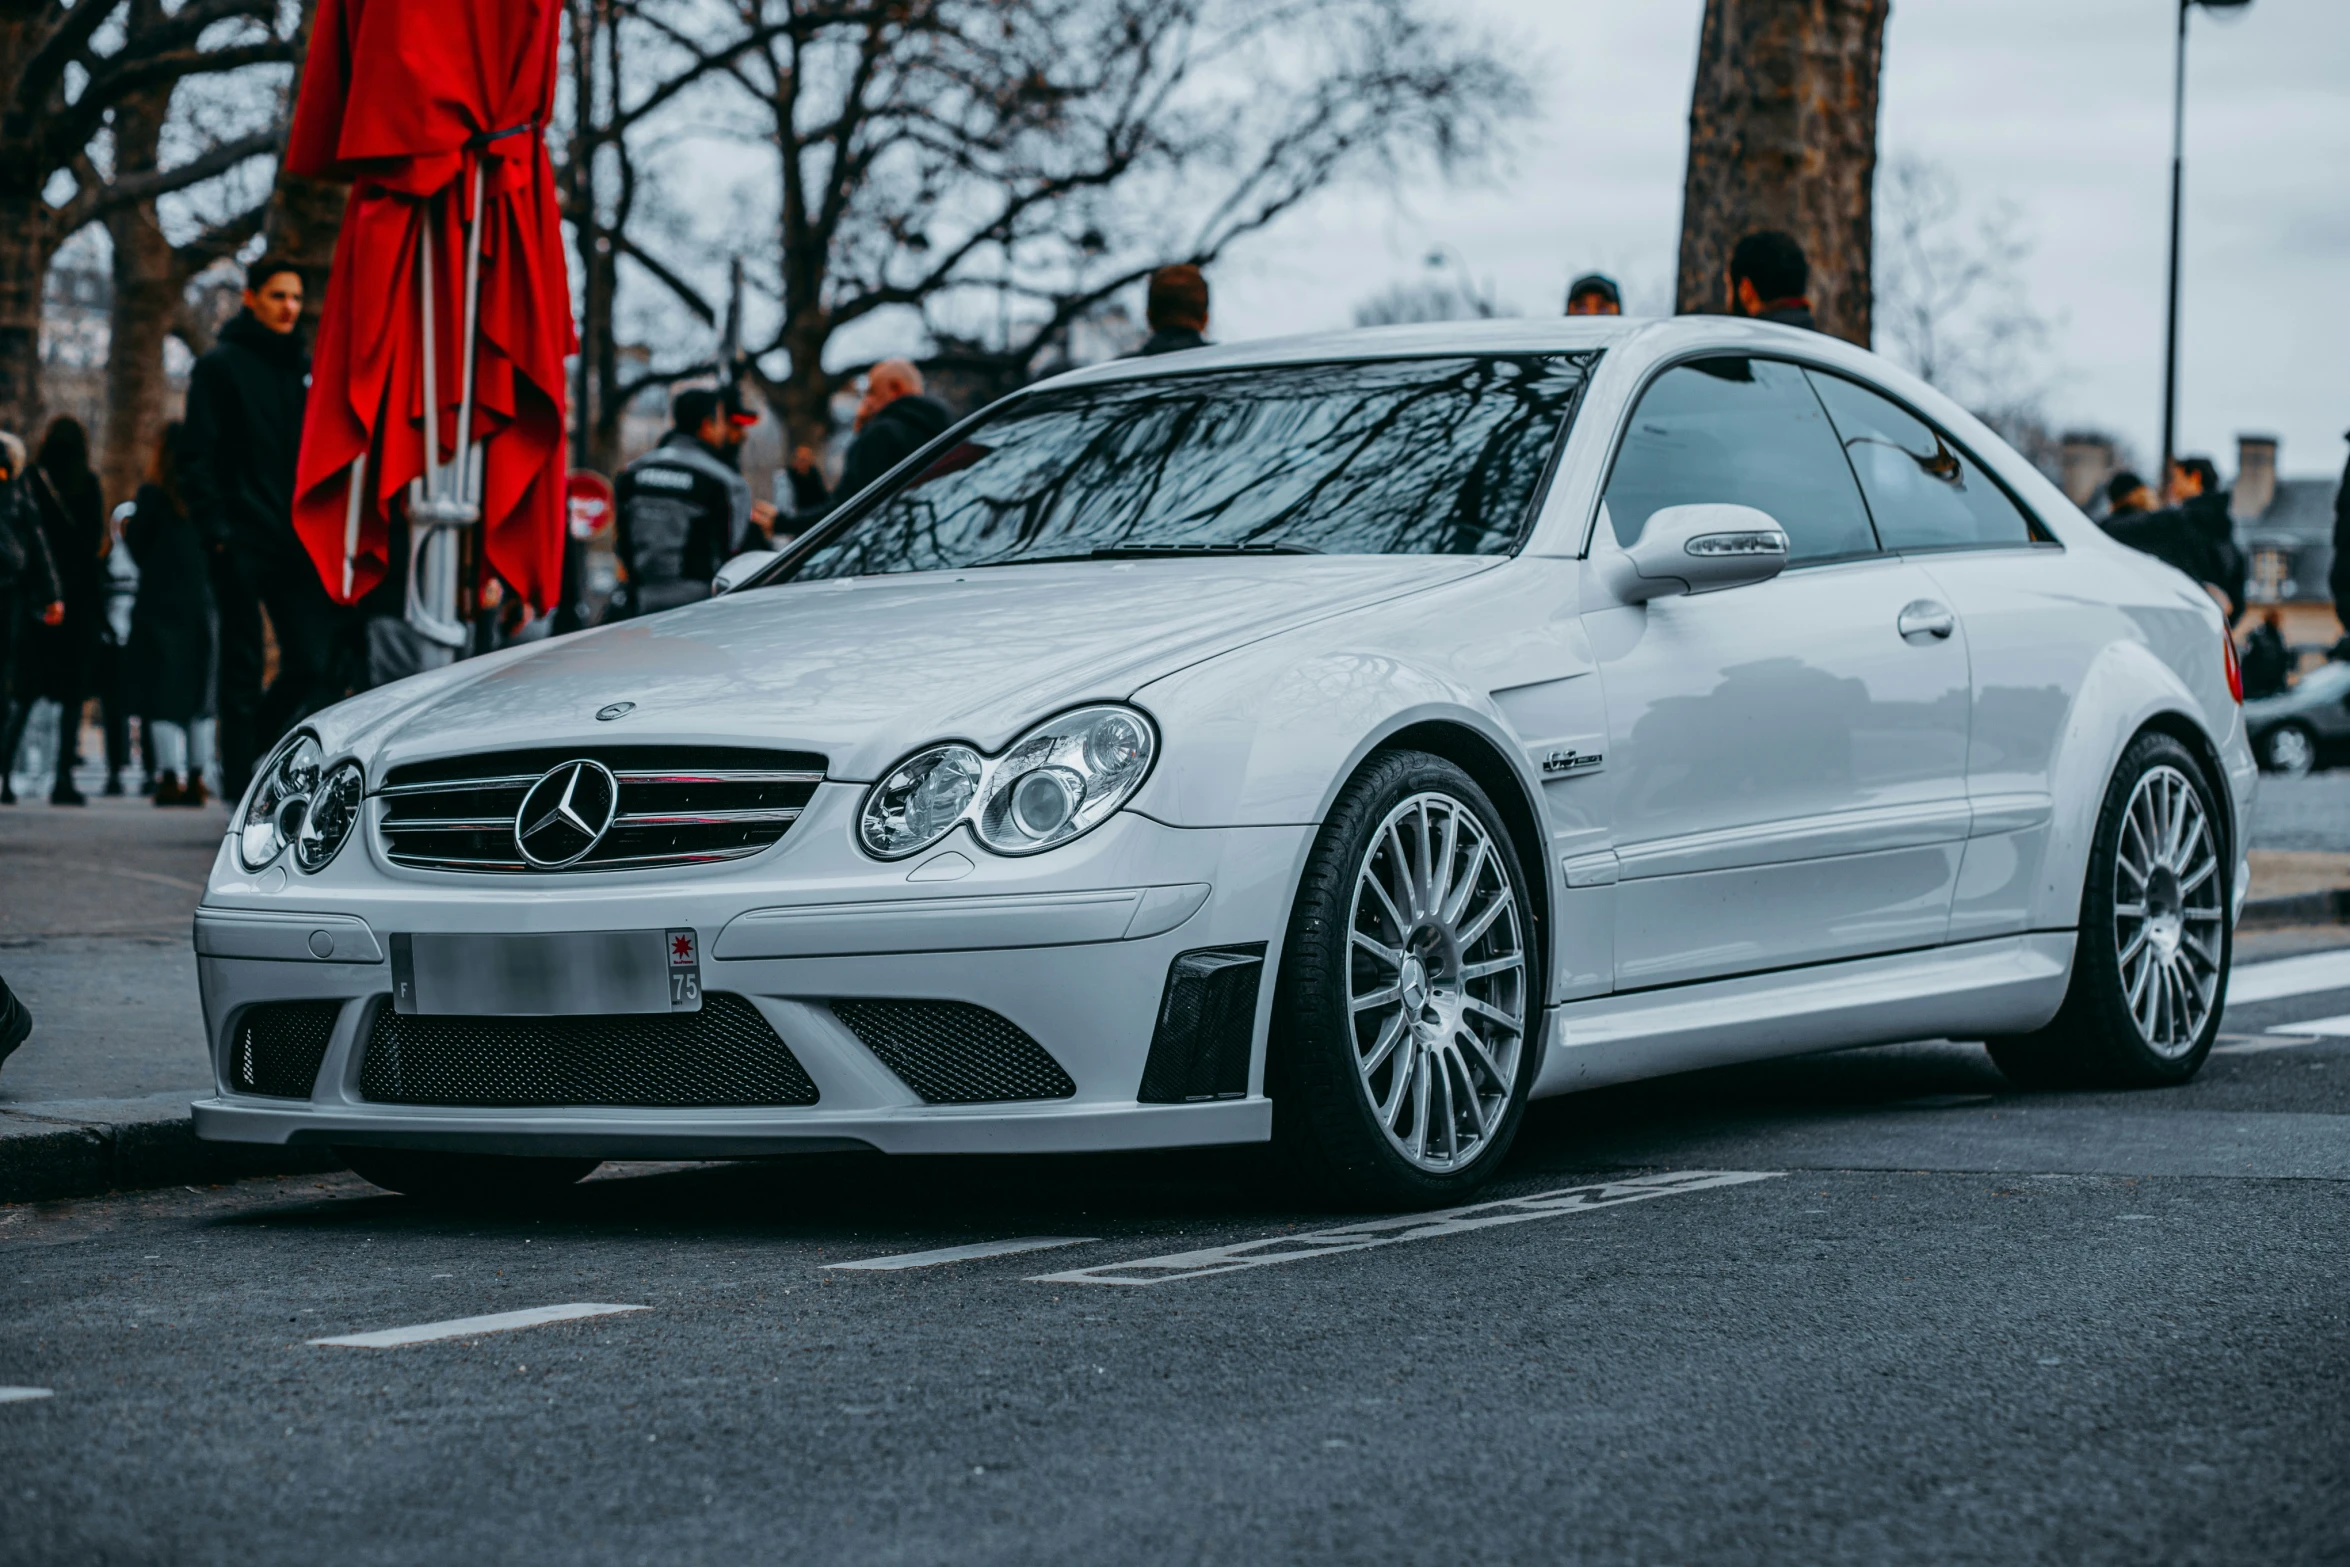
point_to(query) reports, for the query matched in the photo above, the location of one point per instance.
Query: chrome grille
(679, 805)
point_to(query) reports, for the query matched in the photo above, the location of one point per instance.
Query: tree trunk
(1783, 135)
(148, 282)
(24, 262)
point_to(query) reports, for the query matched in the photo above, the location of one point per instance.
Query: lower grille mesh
(725, 1054)
(951, 1052)
(278, 1045)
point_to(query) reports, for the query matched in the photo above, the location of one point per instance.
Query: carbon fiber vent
(679, 805)
(1207, 1021)
(723, 1055)
(277, 1046)
(954, 1053)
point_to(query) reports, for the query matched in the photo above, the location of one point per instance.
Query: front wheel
(1401, 1052)
(2151, 962)
(469, 1179)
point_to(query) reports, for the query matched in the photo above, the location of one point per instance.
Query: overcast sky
(2061, 107)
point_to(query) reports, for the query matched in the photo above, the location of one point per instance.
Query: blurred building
(2286, 529)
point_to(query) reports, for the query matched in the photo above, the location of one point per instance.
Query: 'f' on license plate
(559, 974)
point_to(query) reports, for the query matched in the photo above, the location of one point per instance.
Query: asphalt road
(1947, 1324)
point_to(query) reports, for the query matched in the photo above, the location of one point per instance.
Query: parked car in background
(1338, 740)
(2304, 727)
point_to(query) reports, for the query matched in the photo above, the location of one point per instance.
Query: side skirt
(2006, 985)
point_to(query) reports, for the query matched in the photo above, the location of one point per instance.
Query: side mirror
(741, 569)
(1700, 549)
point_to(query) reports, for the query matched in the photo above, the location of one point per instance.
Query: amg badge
(1569, 760)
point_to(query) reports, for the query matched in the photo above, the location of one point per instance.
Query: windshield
(1388, 457)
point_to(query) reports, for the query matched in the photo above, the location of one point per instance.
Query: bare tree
(949, 161)
(1406, 303)
(1783, 135)
(1950, 292)
(65, 69)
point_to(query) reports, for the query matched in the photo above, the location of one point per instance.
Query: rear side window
(1924, 493)
(1744, 431)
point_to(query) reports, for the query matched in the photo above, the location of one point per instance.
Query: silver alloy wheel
(2289, 751)
(2167, 911)
(1436, 982)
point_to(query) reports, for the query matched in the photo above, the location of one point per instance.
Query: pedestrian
(57, 659)
(1176, 306)
(1768, 277)
(29, 595)
(684, 507)
(2194, 533)
(114, 634)
(2266, 662)
(2127, 495)
(236, 476)
(1594, 294)
(170, 649)
(2338, 579)
(894, 421)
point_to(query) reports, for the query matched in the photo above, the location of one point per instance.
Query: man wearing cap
(1594, 294)
(684, 507)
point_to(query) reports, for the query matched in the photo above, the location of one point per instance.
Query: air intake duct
(1207, 1021)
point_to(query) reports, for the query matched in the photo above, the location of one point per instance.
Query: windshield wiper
(1152, 552)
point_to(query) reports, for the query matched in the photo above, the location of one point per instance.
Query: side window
(1745, 431)
(1924, 493)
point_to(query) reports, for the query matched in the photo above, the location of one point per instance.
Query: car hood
(863, 669)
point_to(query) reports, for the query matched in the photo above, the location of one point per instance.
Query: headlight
(280, 796)
(333, 811)
(1062, 778)
(920, 801)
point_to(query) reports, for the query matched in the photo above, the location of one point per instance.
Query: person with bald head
(894, 421)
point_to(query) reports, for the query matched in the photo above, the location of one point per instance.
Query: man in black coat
(2195, 533)
(684, 508)
(893, 422)
(1768, 276)
(2339, 577)
(244, 432)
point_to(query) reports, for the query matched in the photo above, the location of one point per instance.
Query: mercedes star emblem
(566, 814)
(612, 710)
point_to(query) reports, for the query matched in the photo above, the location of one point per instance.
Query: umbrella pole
(433, 515)
(351, 520)
(469, 485)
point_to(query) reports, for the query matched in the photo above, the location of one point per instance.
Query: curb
(88, 1147)
(2331, 907)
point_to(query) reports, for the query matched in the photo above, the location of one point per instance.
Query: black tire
(2096, 1040)
(466, 1179)
(1325, 1128)
(2289, 750)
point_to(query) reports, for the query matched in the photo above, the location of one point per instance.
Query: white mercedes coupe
(1338, 741)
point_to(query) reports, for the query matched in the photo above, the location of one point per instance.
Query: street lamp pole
(2178, 179)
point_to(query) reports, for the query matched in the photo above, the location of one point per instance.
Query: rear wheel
(476, 1179)
(2150, 966)
(1401, 1051)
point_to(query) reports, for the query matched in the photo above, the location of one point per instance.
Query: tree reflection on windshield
(1387, 457)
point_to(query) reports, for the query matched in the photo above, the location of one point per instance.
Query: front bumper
(1074, 947)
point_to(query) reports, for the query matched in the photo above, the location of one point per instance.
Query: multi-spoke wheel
(2150, 964)
(2288, 749)
(1403, 1027)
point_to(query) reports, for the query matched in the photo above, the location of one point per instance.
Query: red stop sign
(587, 499)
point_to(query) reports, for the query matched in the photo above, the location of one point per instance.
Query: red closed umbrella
(448, 293)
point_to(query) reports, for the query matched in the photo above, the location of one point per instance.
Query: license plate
(580, 973)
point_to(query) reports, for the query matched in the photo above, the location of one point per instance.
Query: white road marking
(21, 1395)
(1373, 1233)
(925, 1259)
(2282, 977)
(468, 1327)
(2321, 1027)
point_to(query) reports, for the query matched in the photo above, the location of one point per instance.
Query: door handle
(1923, 618)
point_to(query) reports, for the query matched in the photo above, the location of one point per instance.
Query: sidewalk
(95, 911)
(95, 905)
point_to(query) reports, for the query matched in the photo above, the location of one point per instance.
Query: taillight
(2235, 670)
